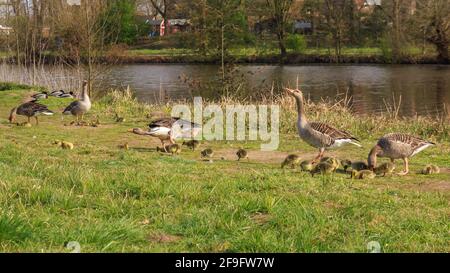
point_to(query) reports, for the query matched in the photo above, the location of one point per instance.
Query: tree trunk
(443, 55)
(282, 45)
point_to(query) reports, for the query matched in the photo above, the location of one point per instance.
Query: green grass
(272, 51)
(161, 52)
(111, 200)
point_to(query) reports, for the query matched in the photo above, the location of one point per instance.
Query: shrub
(296, 42)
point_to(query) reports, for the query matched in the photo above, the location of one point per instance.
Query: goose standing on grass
(316, 134)
(30, 109)
(168, 129)
(397, 146)
(81, 107)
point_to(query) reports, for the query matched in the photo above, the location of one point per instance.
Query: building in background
(157, 27)
(5, 30)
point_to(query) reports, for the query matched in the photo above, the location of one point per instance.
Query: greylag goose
(397, 146)
(80, 107)
(319, 135)
(168, 129)
(29, 110)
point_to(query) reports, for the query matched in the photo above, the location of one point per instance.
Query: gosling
(172, 149)
(307, 166)
(332, 161)
(67, 145)
(431, 169)
(386, 168)
(207, 153)
(323, 168)
(346, 164)
(359, 166)
(124, 146)
(364, 174)
(192, 144)
(242, 154)
(291, 161)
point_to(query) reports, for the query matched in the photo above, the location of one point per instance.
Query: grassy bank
(267, 55)
(112, 200)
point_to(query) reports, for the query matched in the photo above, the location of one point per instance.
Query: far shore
(291, 58)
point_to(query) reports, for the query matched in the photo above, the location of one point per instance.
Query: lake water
(424, 89)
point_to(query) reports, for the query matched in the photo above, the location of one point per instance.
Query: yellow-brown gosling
(171, 149)
(67, 145)
(386, 168)
(124, 146)
(291, 161)
(242, 154)
(332, 161)
(323, 168)
(398, 146)
(346, 164)
(207, 153)
(359, 166)
(307, 166)
(364, 174)
(192, 144)
(174, 149)
(118, 118)
(317, 134)
(431, 169)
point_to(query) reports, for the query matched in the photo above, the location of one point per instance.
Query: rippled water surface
(424, 89)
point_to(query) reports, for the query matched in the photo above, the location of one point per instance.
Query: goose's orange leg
(319, 157)
(406, 171)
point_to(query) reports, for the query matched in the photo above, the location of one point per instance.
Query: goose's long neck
(85, 95)
(302, 121)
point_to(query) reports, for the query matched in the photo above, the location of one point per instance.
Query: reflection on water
(424, 89)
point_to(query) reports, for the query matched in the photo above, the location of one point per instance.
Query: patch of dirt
(164, 238)
(261, 156)
(441, 186)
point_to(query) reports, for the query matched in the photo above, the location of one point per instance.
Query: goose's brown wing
(331, 132)
(71, 106)
(32, 108)
(413, 141)
(164, 122)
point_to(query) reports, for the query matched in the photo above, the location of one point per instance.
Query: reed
(337, 111)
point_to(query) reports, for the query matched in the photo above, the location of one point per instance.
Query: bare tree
(280, 10)
(163, 7)
(434, 20)
(336, 20)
